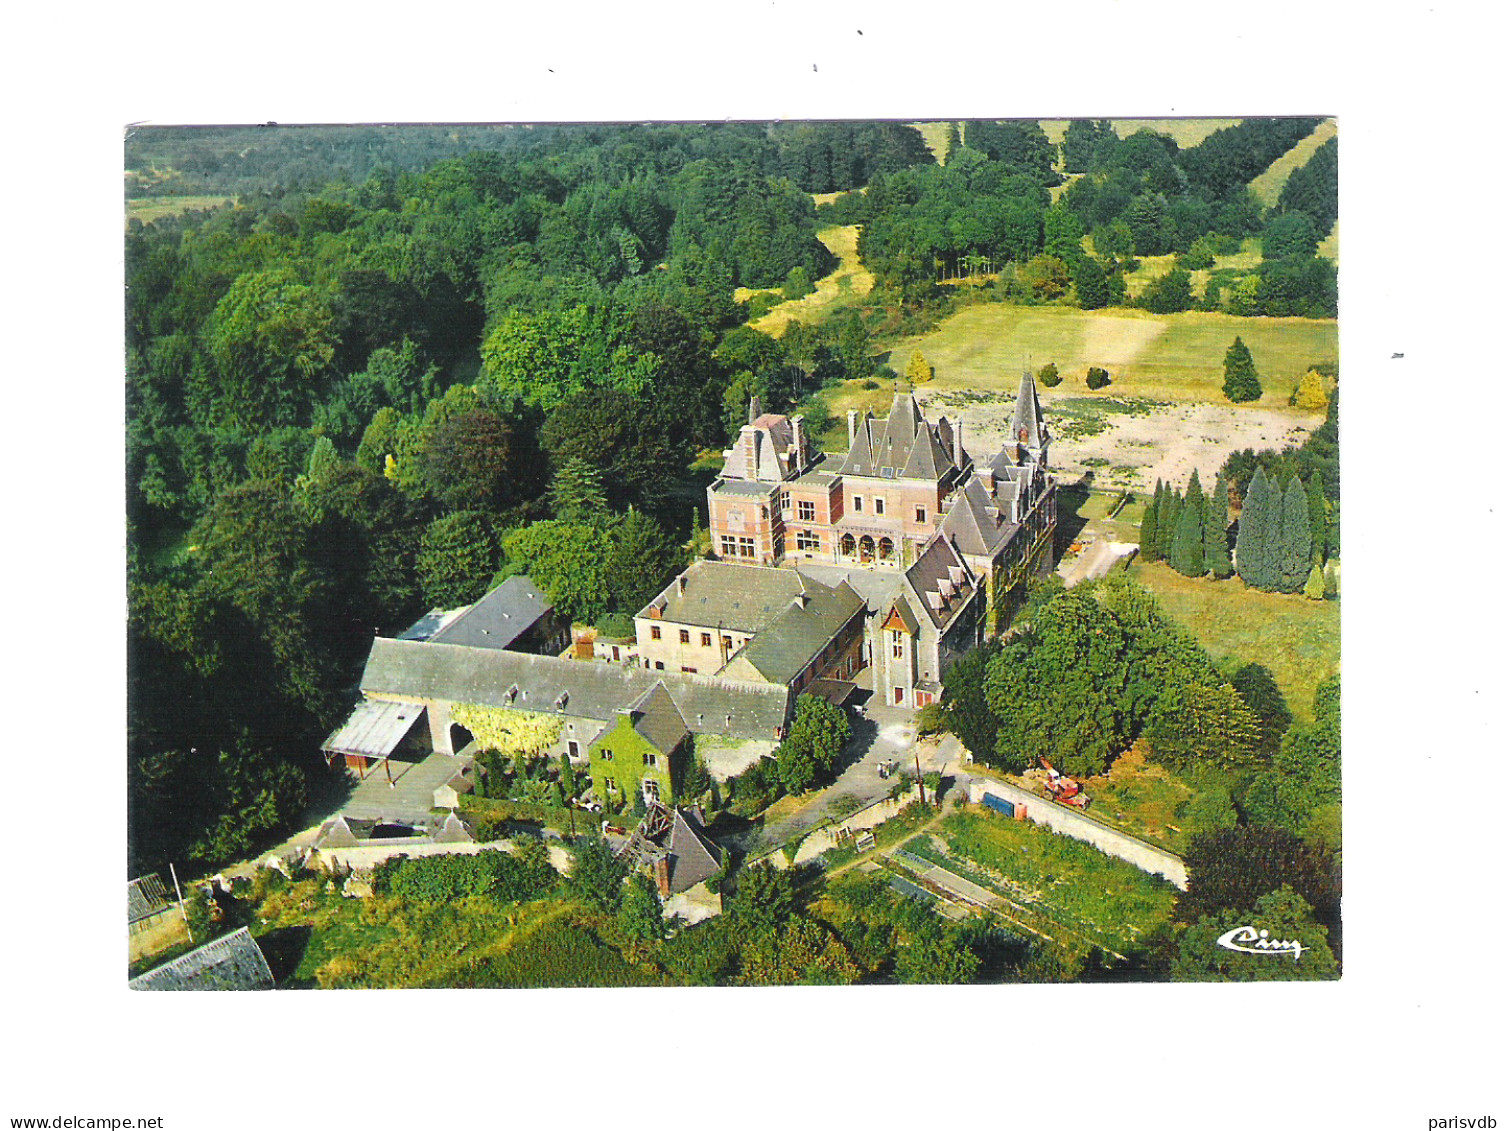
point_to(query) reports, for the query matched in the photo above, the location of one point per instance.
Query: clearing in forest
(1168, 357)
(149, 208)
(850, 281)
(1268, 185)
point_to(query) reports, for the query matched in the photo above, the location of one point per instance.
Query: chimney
(797, 445)
(680, 582)
(958, 455)
(755, 408)
(852, 428)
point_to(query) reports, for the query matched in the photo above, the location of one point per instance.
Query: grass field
(1175, 357)
(1297, 639)
(1328, 246)
(1268, 185)
(149, 208)
(935, 135)
(837, 291)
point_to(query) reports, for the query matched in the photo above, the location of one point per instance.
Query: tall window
(745, 547)
(896, 645)
(920, 514)
(784, 501)
(684, 636)
(705, 640)
(857, 502)
(654, 632)
(878, 506)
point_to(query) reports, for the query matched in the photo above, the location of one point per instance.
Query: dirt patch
(1131, 450)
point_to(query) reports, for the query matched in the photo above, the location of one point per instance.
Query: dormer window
(559, 703)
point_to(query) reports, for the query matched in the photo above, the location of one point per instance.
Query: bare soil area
(1133, 449)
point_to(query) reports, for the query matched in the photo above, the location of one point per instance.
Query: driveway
(878, 735)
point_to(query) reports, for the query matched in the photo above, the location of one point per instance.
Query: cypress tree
(1317, 517)
(1166, 522)
(1187, 543)
(1315, 589)
(1216, 531)
(1295, 539)
(1148, 548)
(1252, 547)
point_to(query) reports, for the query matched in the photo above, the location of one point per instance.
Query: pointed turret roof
(1028, 416)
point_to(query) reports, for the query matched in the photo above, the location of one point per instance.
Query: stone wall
(1079, 826)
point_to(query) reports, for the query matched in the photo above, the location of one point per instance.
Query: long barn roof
(415, 670)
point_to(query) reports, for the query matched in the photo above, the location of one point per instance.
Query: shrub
(1098, 378)
(615, 626)
(1049, 376)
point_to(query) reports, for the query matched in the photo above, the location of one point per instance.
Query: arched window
(886, 549)
(865, 548)
(849, 545)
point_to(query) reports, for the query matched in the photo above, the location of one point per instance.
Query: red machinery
(1066, 790)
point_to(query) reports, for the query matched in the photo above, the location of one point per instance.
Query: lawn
(1297, 639)
(1096, 897)
(1176, 357)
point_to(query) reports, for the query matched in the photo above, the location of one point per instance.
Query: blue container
(998, 804)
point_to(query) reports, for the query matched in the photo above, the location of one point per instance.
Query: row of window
(737, 547)
(651, 760)
(656, 633)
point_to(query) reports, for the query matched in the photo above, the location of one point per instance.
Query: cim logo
(1248, 940)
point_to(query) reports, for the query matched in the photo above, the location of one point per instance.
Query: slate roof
(499, 618)
(1027, 414)
(976, 523)
(233, 962)
(657, 719)
(743, 598)
(145, 897)
(693, 855)
(903, 442)
(936, 564)
(792, 639)
(450, 672)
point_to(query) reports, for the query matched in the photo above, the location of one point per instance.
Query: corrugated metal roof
(234, 962)
(374, 728)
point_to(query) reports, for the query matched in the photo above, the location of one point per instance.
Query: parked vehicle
(1066, 790)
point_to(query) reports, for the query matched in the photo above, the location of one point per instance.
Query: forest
(406, 363)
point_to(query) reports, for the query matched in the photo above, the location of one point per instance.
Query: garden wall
(1079, 826)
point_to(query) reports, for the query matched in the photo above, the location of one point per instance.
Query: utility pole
(919, 780)
(182, 910)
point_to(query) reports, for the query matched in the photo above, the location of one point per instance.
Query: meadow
(149, 208)
(1175, 357)
(1297, 639)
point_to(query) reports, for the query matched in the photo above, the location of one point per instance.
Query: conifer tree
(1315, 588)
(1166, 522)
(1187, 543)
(1241, 382)
(1295, 538)
(1252, 547)
(1317, 517)
(1149, 550)
(1216, 531)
